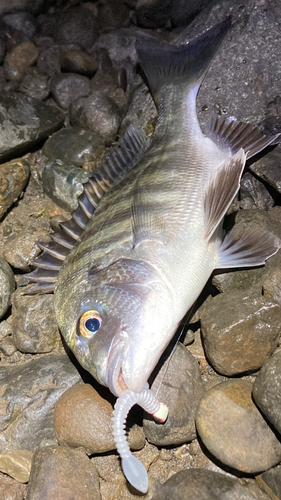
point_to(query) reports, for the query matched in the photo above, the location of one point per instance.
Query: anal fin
(221, 191)
(247, 247)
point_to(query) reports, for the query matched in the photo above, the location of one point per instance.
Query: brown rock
(83, 418)
(11, 489)
(17, 464)
(240, 331)
(13, 178)
(19, 59)
(77, 61)
(233, 429)
(62, 474)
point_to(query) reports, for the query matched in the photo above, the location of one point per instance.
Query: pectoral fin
(221, 190)
(247, 247)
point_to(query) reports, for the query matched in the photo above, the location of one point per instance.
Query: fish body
(155, 239)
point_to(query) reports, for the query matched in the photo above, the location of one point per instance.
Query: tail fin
(164, 64)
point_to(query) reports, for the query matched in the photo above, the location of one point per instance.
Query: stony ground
(69, 88)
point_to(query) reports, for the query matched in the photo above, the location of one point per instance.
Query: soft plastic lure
(132, 467)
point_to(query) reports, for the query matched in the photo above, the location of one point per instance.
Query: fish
(139, 250)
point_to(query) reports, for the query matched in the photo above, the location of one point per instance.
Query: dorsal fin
(117, 163)
(230, 133)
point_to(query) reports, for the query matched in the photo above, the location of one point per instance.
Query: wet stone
(78, 26)
(239, 331)
(98, 113)
(7, 286)
(83, 418)
(234, 431)
(17, 464)
(268, 168)
(77, 61)
(201, 484)
(34, 323)
(35, 85)
(62, 474)
(253, 194)
(67, 87)
(25, 122)
(13, 178)
(20, 248)
(267, 390)
(181, 390)
(49, 59)
(74, 146)
(270, 481)
(29, 393)
(63, 183)
(19, 59)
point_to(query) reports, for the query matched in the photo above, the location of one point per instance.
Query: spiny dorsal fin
(117, 163)
(247, 247)
(221, 191)
(230, 133)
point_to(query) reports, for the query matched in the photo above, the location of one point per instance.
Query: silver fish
(155, 239)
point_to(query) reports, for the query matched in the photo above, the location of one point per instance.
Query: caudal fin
(164, 63)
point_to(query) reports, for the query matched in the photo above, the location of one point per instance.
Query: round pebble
(267, 390)
(77, 61)
(7, 286)
(35, 85)
(83, 418)
(68, 87)
(233, 429)
(77, 25)
(19, 59)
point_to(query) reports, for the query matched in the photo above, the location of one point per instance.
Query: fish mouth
(115, 380)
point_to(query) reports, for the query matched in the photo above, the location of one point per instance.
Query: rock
(25, 121)
(5, 330)
(184, 11)
(13, 178)
(7, 346)
(83, 418)
(63, 184)
(68, 87)
(17, 464)
(77, 61)
(268, 168)
(29, 393)
(7, 286)
(35, 85)
(61, 474)
(270, 481)
(19, 59)
(21, 249)
(32, 6)
(77, 25)
(74, 146)
(112, 15)
(181, 391)
(267, 390)
(34, 323)
(23, 22)
(153, 13)
(49, 59)
(271, 284)
(98, 113)
(106, 83)
(203, 485)
(141, 110)
(239, 331)
(234, 431)
(253, 193)
(11, 489)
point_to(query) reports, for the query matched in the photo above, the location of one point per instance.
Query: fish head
(118, 325)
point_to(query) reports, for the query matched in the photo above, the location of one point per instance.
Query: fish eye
(89, 324)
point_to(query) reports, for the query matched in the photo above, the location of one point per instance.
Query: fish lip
(114, 374)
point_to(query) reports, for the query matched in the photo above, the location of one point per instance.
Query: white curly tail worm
(133, 469)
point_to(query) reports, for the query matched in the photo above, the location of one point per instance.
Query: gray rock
(105, 82)
(267, 390)
(153, 13)
(7, 286)
(234, 431)
(253, 193)
(77, 61)
(22, 22)
(181, 390)
(8, 347)
(25, 121)
(19, 59)
(240, 331)
(268, 168)
(49, 59)
(83, 418)
(68, 87)
(201, 484)
(63, 183)
(35, 85)
(77, 25)
(13, 178)
(62, 473)
(112, 15)
(271, 482)
(98, 113)
(34, 323)
(29, 393)
(32, 6)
